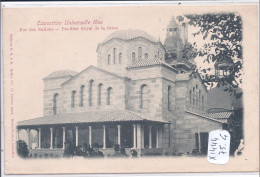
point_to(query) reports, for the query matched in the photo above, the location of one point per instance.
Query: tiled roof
(130, 34)
(88, 117)
(218, 115)
(208, 117)
(148, 62)
(182, 76)
(61, 73)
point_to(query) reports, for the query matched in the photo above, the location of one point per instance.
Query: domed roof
(130, 34)
(61, 73)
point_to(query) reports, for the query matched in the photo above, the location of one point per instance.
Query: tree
(222, 38)
(22, 149)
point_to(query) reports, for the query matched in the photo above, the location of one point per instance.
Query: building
(141, 95)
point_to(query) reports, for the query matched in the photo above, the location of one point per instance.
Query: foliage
(22, 148)
(222, 43)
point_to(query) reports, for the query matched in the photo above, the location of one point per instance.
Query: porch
(130, 131)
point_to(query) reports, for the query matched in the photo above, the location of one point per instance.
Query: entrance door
(202, 142)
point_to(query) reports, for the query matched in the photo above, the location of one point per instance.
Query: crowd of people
(86, 151)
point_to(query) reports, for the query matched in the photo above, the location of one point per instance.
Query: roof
(149, 62)
(183, 76)
(208, 117)
(61, 73)
(130, 34)
(88, 117)
(219, 115)
(96, 68)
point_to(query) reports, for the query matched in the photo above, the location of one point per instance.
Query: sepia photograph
(148, 86)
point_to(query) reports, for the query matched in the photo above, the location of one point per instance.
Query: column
(63, 137)
(150, 136)
(77, 136)
(157, 137)
(90, 135)
(28, 135)
(51, 144)
(104, 137)
(139, 136)
(134, 134)
(119, 134)
(40, 138)
(142, 130)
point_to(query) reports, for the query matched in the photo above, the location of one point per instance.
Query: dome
(130, 34)
(61, 73)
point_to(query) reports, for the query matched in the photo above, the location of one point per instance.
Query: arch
(133, 56)
(114, 55)
(90, 91)
(81, 98)
(190, 98)
(193, 97)
(109, 96)
(73, 93)
(144, 97)
(120, 58)
(108, 59)
(169, 98)
(199, 99)
(202, 100)
(100, 94)
(139, 52)
(55, 103)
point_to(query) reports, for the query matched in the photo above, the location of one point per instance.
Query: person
(240, 148)
(133, 153)
(96, 152)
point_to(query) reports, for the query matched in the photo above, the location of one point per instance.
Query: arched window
(109, 96)
(81, 99)
(133, 57)
(158, 54)
(90, 91)
(139, 53)
(55, 103)
(108, 59)
(144, 96)
(169, 97)
(114, 56)
(202, 99)
(193, 95)
(120, 58)
(100, 94)
(146, 55)
(190, 98)
(73, 93)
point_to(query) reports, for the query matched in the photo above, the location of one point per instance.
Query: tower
(176, 38)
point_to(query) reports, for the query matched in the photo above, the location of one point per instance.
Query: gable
(91, 73)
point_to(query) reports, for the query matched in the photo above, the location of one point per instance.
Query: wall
(126, 48)
(184, 136)
(51, 87)
(99, 77)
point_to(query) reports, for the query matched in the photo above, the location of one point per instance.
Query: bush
(22, 148)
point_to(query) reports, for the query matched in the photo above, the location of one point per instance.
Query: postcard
(130, 89)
